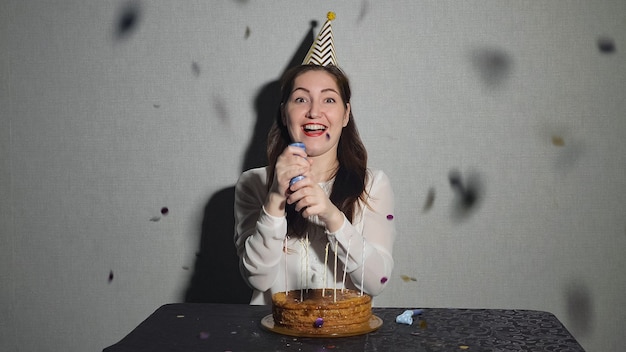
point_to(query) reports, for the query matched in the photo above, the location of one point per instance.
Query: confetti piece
(185, 268)
(430, 200)
(383, 279)
(204, 335)
(468, 192)
(110, 276)
(327, 135)
(247, 33)
(220, 109)
(606, 45)
(493, 65)
(180, 316)
(407, 278)
(165, 211)
(364, 10)
(195, 68)
(156, 106)
(155, 218)
(390, 217)
(127, 21)
(558, 141)
(318, 323)
(463, 347)
(423, 324)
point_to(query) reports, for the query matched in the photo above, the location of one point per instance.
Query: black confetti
(195, 68)
(468, 192)
(430, 200)
(493, 65)
(220, 109)
(364, 10)
(110, 276)
(127, 20)
(606, 45)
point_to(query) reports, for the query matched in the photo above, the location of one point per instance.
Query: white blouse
(271, 263)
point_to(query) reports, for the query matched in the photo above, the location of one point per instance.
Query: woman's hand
(310, 199)
(291, 163)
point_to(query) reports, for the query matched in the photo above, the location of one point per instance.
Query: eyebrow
(323, 90)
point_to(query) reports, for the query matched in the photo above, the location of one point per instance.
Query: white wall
(101, 131)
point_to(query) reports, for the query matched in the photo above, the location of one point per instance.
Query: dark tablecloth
(235, 327)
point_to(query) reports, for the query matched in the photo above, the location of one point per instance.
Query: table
(236, 327)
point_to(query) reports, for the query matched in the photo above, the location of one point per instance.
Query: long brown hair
(351, 175)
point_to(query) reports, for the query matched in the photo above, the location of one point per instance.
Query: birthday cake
(336, 312)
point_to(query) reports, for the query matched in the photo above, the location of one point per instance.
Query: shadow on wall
(216, 277)
(580, 308)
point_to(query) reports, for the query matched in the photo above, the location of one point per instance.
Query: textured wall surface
(127, 123)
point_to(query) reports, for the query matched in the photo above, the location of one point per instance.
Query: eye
(299, 100)
(329, 100)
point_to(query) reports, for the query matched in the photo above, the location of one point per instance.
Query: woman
(287, 235)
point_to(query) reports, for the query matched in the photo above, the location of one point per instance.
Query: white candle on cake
(325, 267)
(285, 250)
(362, 266)
(345, 265)
(302, 269)
(335, 276)
(306, 251)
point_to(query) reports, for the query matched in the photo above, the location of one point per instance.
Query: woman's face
(315, 113)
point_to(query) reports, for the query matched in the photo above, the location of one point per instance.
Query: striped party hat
(322, 51)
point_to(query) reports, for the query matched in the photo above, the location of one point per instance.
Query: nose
(314, 111)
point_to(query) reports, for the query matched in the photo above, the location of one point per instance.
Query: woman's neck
(324, 168)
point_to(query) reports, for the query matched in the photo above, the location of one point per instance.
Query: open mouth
(314, 129)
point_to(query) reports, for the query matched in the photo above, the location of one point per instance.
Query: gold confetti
(407, 278)
(463, 347)
(558, 141)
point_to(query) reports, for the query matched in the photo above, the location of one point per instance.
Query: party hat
(322, 51)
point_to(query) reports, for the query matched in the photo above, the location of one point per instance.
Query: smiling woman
(339, 204)
(284, 229)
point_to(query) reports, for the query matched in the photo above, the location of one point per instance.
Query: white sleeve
(372, 248)
(258, 236)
